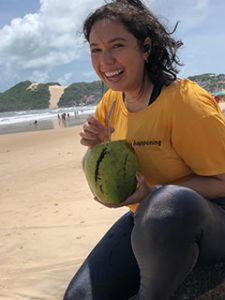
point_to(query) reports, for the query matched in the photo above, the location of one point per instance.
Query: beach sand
(49, 221)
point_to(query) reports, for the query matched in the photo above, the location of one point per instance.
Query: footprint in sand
(79, 237)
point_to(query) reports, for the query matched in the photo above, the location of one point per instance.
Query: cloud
(65, 78)
(48, 45)
(40, 41)
(39, 76)
(89, 75)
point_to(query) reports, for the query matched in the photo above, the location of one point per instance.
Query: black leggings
(151, 252)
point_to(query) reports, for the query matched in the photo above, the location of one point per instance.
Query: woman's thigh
(110, 271)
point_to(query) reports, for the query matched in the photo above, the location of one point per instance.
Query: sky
(41, 40)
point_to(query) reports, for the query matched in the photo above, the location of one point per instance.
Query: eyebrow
(111, 41)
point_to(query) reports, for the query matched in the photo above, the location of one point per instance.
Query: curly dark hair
(162, 62)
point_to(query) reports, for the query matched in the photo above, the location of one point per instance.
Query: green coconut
(110, 169)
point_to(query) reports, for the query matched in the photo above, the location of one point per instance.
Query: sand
(56, 92)
(49, 221)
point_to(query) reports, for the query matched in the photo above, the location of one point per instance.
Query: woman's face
(116, 56)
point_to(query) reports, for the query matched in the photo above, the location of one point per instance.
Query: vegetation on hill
(209, 81)
(21, 97)
(82, 93)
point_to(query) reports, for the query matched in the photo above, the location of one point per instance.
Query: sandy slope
(56, 92)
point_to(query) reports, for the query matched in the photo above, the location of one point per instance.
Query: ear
(147, 47)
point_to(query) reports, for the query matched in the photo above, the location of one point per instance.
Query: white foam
(42, 114)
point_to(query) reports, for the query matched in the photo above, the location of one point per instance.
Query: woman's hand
(142, 191)
(93, 132)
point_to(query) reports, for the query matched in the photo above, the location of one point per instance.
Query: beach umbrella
(220, 93)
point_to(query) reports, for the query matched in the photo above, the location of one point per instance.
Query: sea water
(43, 119)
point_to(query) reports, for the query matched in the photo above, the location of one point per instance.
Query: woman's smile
(114, 75)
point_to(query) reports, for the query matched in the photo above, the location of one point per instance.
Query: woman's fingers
(142, 191)
(93, 132)
(88, 135)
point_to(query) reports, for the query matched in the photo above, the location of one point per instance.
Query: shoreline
(54, 123)
(28, 126)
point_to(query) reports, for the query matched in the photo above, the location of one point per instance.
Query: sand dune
(56, 92)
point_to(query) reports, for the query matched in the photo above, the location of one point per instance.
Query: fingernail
(138, 175)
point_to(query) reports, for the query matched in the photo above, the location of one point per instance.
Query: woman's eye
(95, 50)
(117, 45)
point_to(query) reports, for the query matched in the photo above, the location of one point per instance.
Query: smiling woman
(177, 212)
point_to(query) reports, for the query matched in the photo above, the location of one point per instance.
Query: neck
(135, 102)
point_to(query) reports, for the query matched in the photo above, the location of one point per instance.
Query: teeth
(110, 74)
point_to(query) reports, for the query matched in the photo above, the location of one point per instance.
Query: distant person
(35, 122)
(177, 213)
(217, 99)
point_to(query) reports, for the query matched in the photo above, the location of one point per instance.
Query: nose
(107, 58)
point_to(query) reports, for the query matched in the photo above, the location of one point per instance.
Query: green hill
(209, 81)
(82, 93)
(21, 97)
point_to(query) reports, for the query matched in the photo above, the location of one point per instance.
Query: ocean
(43, 119)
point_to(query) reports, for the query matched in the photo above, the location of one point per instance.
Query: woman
(178, 133)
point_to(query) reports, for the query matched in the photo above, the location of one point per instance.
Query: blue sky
(41, 39)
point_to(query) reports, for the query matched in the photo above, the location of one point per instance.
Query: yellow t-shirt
(182, 132)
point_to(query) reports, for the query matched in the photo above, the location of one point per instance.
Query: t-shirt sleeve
(198, 137)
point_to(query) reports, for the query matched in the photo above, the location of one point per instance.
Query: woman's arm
(208, 186)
